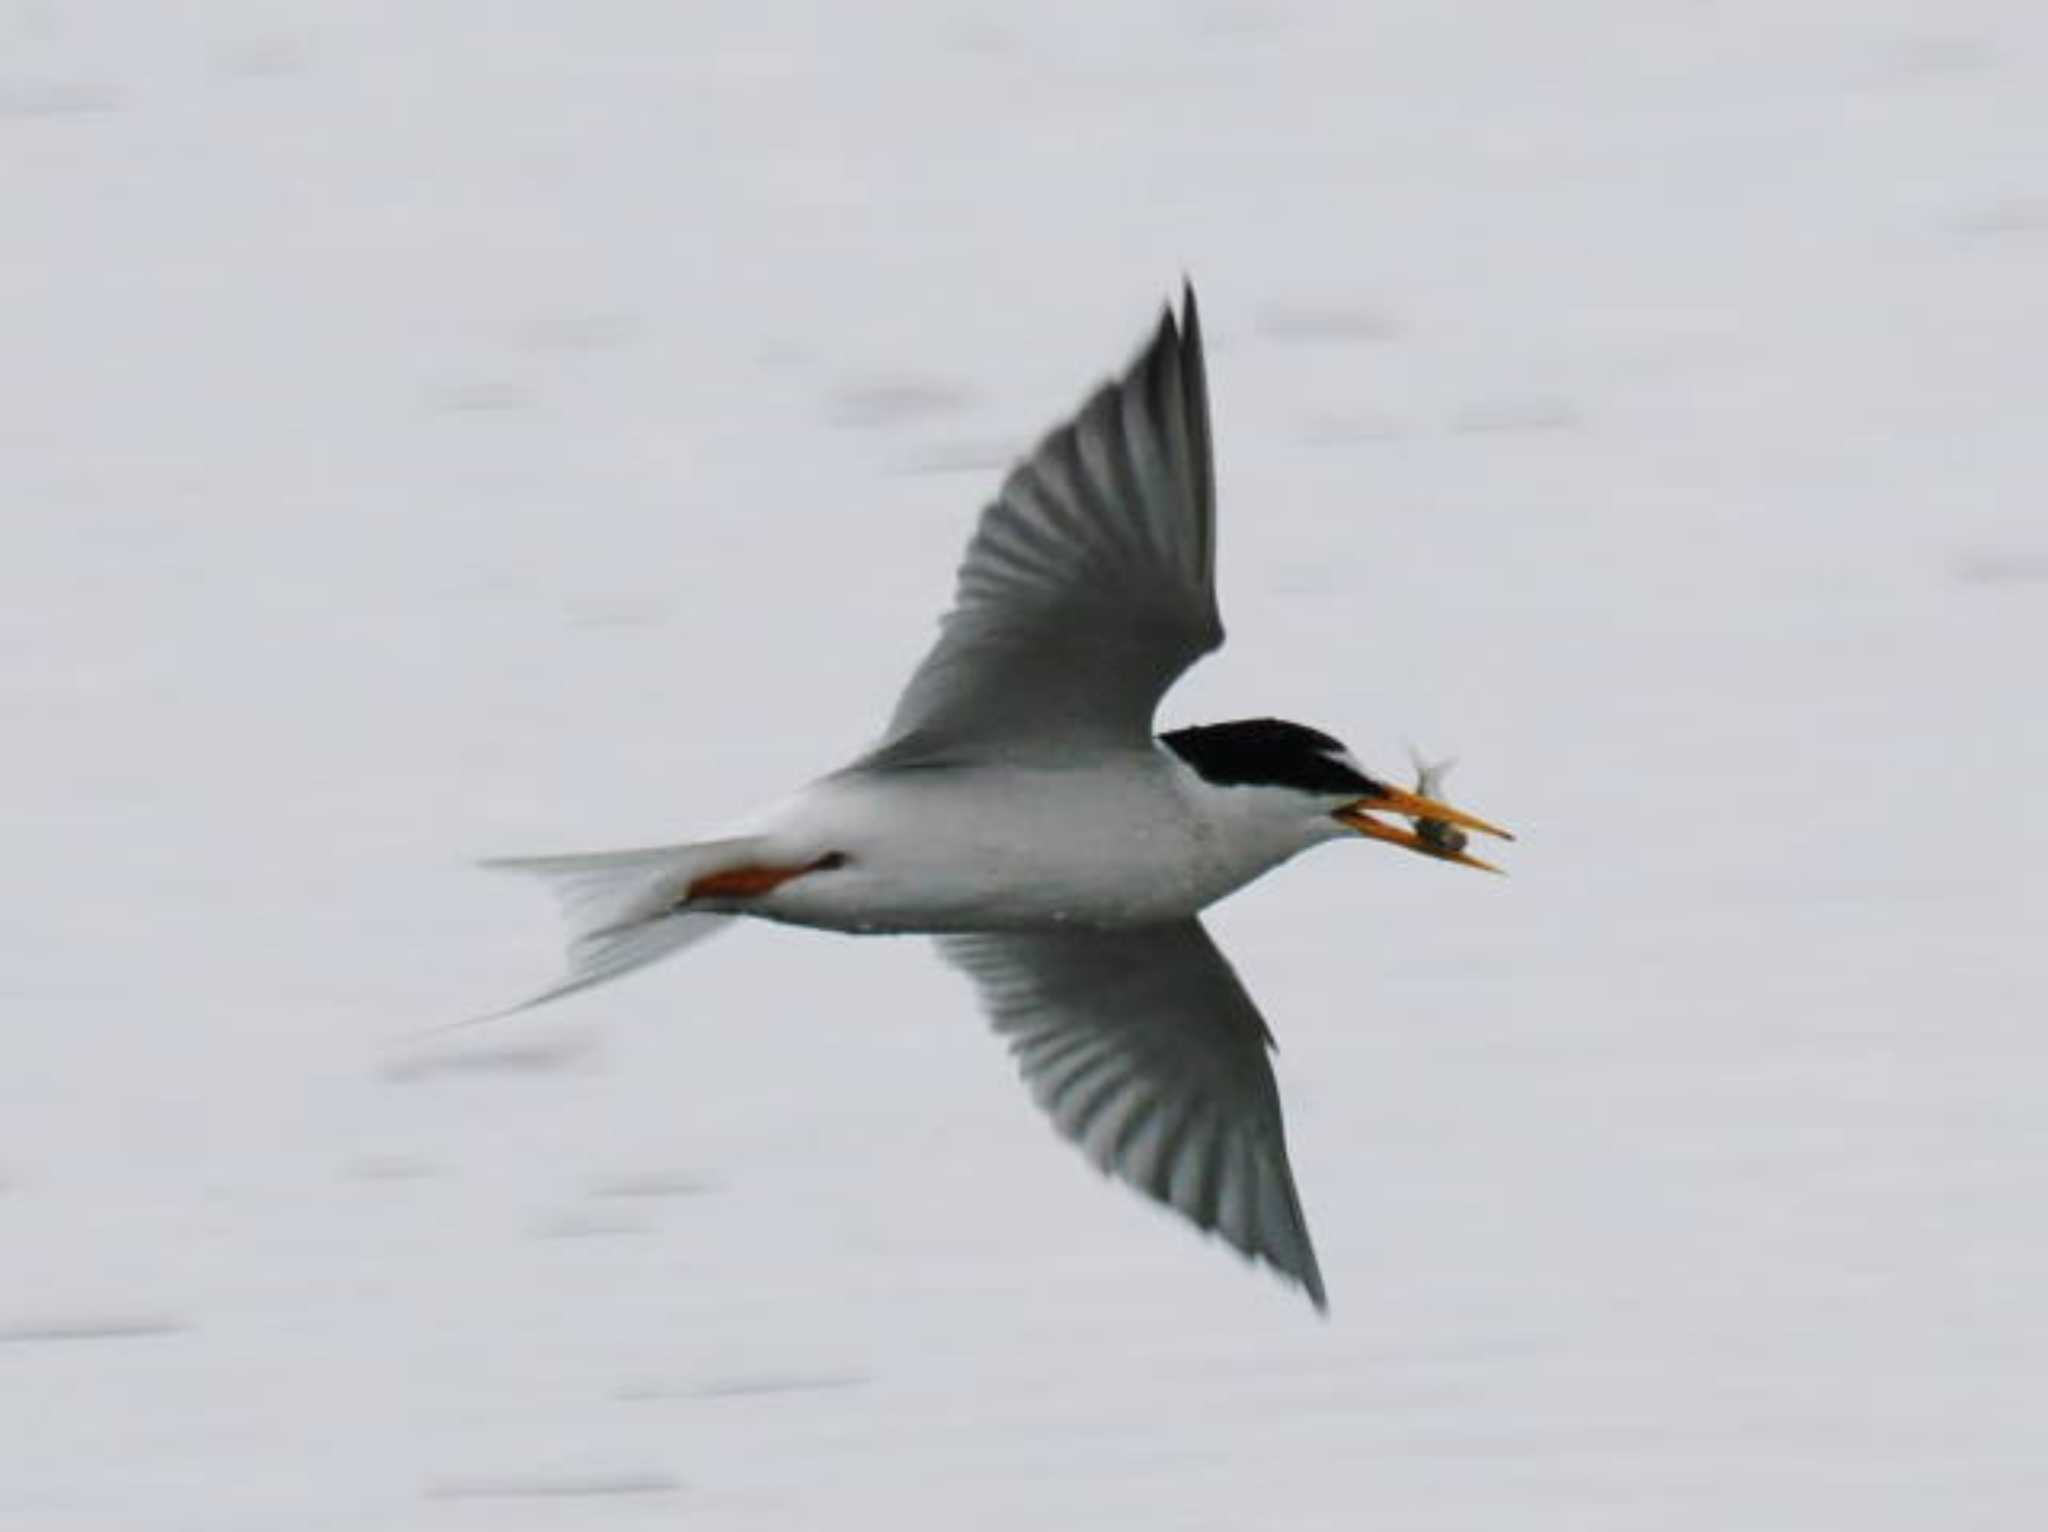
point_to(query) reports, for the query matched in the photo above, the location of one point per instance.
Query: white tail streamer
(625, 909)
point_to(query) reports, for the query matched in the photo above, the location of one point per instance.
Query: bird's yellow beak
(1393, 800)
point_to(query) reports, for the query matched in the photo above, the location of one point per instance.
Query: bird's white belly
(988, 847)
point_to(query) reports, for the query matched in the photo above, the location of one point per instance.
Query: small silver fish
(1440, 836)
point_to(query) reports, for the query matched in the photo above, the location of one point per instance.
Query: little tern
(1019, 808)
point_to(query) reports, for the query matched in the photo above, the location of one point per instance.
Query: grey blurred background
(439, 430)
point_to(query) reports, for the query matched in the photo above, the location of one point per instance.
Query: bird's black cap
(1269, 752)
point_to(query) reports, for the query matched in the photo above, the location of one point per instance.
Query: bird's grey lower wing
(1146, 1051)
(1089, 585)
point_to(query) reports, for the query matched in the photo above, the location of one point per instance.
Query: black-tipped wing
(1146, 1051)
(1089, 585)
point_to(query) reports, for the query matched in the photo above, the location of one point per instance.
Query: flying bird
(1019, 808)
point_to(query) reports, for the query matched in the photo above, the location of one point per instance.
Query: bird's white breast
(1127, 840)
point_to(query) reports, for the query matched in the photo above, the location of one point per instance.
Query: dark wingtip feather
(1179, 334)
(1311, 1273)
(1194, 382)
(1165, 339)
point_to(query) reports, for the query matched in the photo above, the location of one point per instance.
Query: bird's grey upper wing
(1146, 1051)
(1089, 585)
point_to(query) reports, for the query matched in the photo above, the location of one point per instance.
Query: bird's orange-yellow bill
(1394, 800)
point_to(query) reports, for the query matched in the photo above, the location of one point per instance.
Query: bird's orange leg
(753, 880)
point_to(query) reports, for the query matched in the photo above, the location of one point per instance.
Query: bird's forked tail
(624, 909)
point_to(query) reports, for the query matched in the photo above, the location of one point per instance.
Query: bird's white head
(1301, 785)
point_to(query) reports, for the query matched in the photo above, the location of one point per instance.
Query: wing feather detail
(1089, 584)
(1144, 1049)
